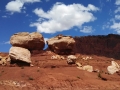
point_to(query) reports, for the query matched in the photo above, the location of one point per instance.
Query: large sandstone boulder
(61, 44)
(113, 68)
(20, 54)
(31, 41)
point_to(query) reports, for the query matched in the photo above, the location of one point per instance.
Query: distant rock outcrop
(20, 54)
(102, 45)
(61, 44)
(30, 41)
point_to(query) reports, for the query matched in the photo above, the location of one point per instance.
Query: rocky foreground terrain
(46, 70)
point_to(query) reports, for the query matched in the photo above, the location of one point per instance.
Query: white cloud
(117, 10)
(17, 5)
(117, 17)
(117, 2)
(14, 6)
(87, 29)
(63, 17)
(116, 24)
(116, 27)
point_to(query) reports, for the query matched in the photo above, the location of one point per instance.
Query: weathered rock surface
(57, 57)
(113, 68)
(71, 59)
(31, 41)
(4, 60)
(61, 44)
(88, 68)
(19, 53)
(14, 83)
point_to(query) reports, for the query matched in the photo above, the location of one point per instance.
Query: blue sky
(52, 17)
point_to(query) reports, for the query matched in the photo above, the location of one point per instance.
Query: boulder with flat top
(61, 44)
(20, 54)
(30, 41)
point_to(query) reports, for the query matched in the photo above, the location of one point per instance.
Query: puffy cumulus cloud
(17, 5)
(87, 29)
(116, 27)
(14, 6)
(63, 17)
(117, 2)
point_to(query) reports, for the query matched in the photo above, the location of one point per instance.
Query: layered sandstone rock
(31, 41)
(20, 54)
(61, 44)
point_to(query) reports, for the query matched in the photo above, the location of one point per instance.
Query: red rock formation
(101, 45)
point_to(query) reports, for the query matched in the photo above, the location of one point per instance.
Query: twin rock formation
(24, 43)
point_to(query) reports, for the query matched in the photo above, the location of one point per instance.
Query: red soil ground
(50, 74)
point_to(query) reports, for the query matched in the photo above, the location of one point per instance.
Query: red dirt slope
(50, 74)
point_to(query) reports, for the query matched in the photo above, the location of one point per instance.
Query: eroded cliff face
(100, 45)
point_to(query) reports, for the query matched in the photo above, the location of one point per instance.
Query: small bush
(100, 76)
(78, 77)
